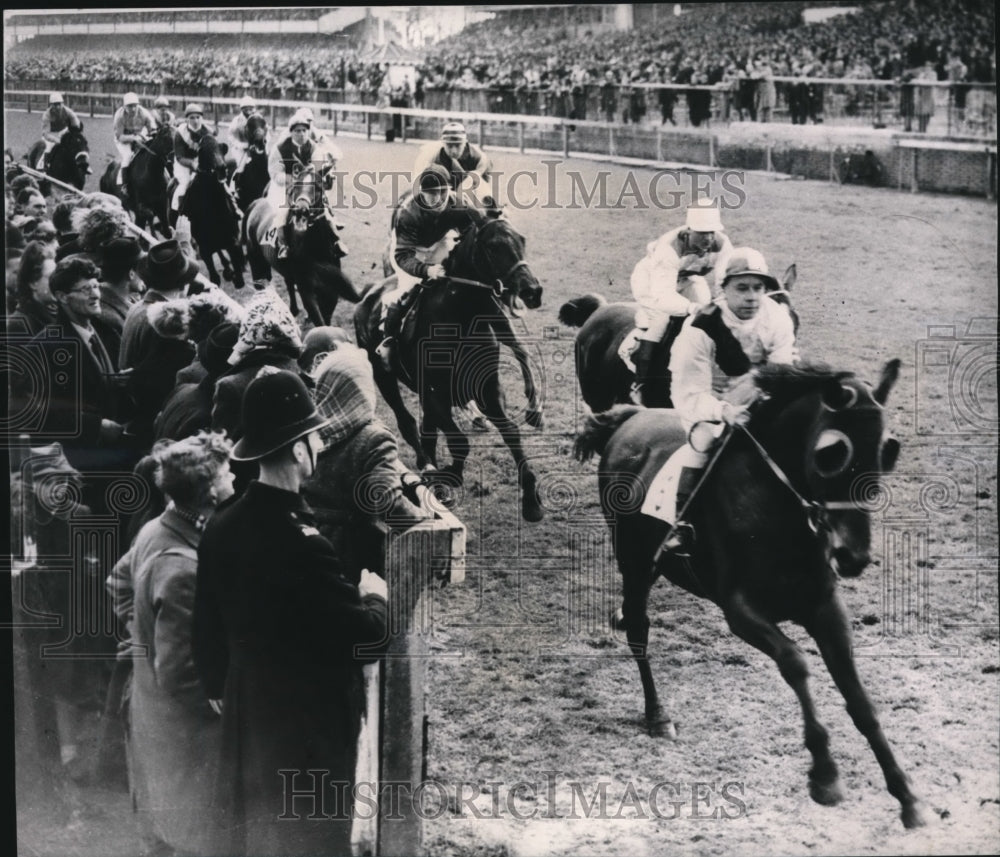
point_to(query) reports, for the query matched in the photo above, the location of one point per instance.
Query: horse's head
(162, 142)
(827, 432)
(77, 149)
(495, 252)
(307, 201)
(256, 131)
(211, 157)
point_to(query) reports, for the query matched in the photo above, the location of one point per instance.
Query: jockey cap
(161, 101)
(704, 218)
(194, 109)
(130, 98)
(300, 117)
(55, 98)
(454, 132)
(247, 101)
(434, 177)
(746, 260)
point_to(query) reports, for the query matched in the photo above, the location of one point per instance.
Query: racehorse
(215, 221)
(449, 351)
(252, 180)
(146, 186)
(778, 514)
(314, 250)
(69, 160)
(605, 379)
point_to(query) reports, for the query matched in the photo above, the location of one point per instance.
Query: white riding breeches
(433, 255)
(183, 175)
(126, 152)
(661, 498)
(655, 308)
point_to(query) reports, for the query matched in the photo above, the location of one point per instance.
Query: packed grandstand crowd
(512, 51)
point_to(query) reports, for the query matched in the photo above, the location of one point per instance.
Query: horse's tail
(598, 429)
(575, 312)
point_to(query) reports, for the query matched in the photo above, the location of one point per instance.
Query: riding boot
(643, 360)
(681, 537)
(392, 316)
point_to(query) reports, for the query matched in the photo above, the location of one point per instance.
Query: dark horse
(604, 378)
(252, 180)
(314, 250)
(146, 183)
(215, 221)
(449, 350)
(69, 160)
(778, 515)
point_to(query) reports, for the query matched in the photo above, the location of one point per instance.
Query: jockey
(164, 115)
(132, 124)
(671, 280)
(238, 142)
(423, 234)
(467, 164)
(187, 139)
(302, 147)
(711, 361)
(56, 121)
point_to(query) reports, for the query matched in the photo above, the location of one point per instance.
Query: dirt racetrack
(529, 686)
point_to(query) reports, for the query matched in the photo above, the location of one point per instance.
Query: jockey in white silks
(56, 121)
(711, 377)
(187, 140)
(675, 278)
(132, 124)
(300, 148)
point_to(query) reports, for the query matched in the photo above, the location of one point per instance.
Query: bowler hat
(214, 351)
(277, 410)
(166, 266)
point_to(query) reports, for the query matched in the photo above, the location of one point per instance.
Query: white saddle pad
(661, 498)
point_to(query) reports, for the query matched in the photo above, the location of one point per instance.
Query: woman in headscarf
(356, 490)
(36, 307)
(174, 731)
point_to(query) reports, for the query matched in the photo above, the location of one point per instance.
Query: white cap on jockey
(704, 218)
(161, 101)
(193, 108)
(454, 132)
(300, 117)
(130, 98)
(247, 101)
(746, 260)
(55, 98)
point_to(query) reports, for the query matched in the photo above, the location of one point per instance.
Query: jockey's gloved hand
(735, 416)
(435, 272)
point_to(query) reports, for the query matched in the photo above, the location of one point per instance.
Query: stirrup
(635, 393)
(385, 351)
(680, 540)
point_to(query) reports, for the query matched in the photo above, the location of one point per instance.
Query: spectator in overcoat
(277, 628)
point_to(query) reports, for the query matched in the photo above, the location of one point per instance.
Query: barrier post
(520, 136)
(565, 138)
(368, 124)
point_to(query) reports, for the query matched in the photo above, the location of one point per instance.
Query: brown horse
(779, 513)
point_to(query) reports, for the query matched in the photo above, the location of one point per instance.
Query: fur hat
(208, 310)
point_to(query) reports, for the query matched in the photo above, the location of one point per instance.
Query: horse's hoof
(260, 285)
(227, 274)
(534, 418)
(913, 816)
(531, 508)
(239, 284)
(661, 727)
(826, 794)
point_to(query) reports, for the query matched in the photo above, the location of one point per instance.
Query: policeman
(56, 121)
(277, 619)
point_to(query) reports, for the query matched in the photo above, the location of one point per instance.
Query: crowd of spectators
(530, 63)
(169, 16)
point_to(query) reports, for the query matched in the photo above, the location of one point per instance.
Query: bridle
(500, 287)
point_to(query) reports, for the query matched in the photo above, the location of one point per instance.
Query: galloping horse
(215, 221)
(604, 378)
(778, 515)
(314, 250)
(69, 160)
(146, 188)
(450, 353)
(252, 180)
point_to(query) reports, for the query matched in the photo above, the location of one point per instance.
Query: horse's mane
(782, 382)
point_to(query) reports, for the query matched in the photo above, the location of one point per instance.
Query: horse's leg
(227, 265)
(636, 584)
(505, 333)
(213, 275)
(239, 260)
(292, 303)
(490, 399)
(746, 622)
(389, 388)
(311, 305)
(437, 416)
(832, 631)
